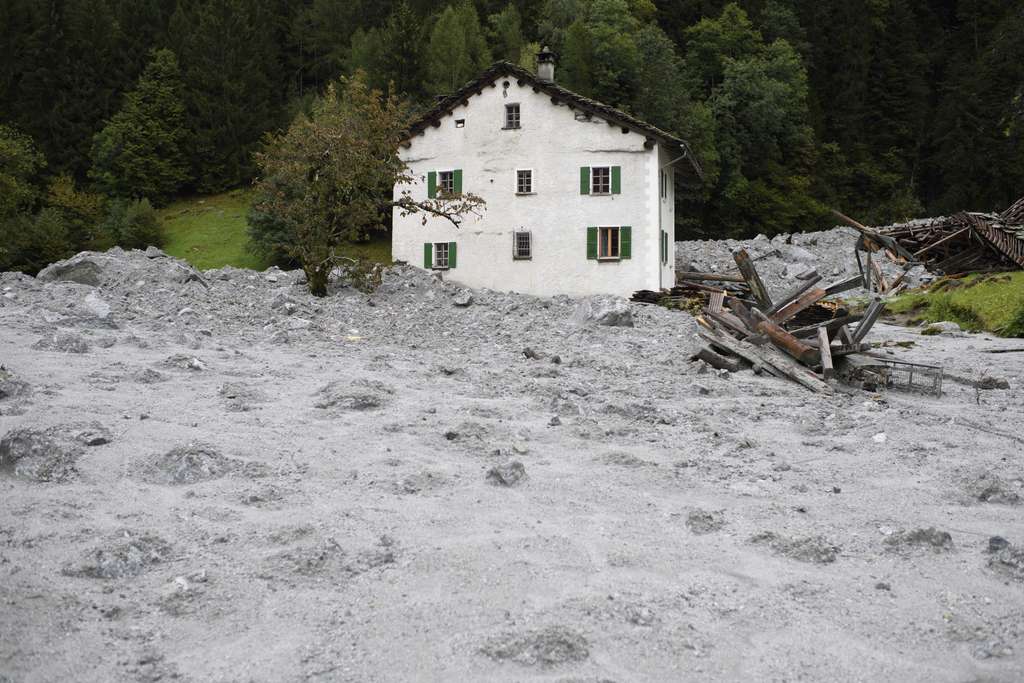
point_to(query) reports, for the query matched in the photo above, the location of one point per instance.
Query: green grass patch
(991, 302)
(212, 232)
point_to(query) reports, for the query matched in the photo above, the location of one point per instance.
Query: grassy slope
(210, 232)
(978, 302)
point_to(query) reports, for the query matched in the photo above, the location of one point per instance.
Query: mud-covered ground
(225, 479)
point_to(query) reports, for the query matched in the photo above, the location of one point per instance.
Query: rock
(93, 435)
(509, 474)
(62, 342)
(987, 487)
(545, 647)
(988, 383)
(153, 252)
(189, 464)
(240, 397)
(703, 522)
(945, 327)
(463, 299)
(905, 541)
(880, 437)
(82, 268)
(605, 311)
(554, 421)
(810, 549)
(40, 455)
(11, 387)
(121, 557)
(356, 395)
(531, 354)
(1006, 558)
(183, 361)
(96, 306)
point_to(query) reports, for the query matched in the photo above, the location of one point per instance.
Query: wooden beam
(844, 285)
(787, 342)
(717, 361)
(826, 353)
(806, 300)
(753, 280)
(794, 293)
(870, 316)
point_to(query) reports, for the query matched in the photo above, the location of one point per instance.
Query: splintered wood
(747, 326)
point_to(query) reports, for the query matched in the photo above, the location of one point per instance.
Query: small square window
(446, 182)
(524, 181)
(440, 254)
(460, 123)
(522, 245)
(512, 116)
(601, 180)
(608, 243)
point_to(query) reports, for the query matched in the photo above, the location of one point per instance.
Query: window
(440, 254)
(522, 245)
(608, 243)
(524, 181)
(460, 123)
(446, 182)
(664, 184)
(512, 116)
(601, 180)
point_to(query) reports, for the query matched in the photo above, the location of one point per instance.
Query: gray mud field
(225, 479)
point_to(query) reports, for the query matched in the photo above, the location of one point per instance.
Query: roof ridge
(503, 67)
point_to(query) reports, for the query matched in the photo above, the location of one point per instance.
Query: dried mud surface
(223, 478)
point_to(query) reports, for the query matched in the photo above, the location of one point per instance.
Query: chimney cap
(545, 55)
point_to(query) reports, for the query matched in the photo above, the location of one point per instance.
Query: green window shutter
(432, 184)
(591, 243)
(585, 181)
(625, 242)
(451, 254)
(458, 180)
(616, 179)
(428, 255)
(664, 247)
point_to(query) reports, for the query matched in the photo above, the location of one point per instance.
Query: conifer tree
(457, 50)
(140, 152)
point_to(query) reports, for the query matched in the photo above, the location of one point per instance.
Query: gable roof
(558, 94)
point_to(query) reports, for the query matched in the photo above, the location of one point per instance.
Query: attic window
(460, 123)
(511, 116)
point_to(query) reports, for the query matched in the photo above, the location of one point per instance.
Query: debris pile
(796, 335)
(966, 242)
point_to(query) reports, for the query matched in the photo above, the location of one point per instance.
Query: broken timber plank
(728, 321)
(753, 280)
(826, 353)
(771, 360)
(830, 325)
(870, 316)
(716, 360)
(715, 304)
(794, 293)
(785, 341)
(844, 285)
(809, 298)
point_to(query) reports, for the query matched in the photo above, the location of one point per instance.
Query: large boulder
(608, 311)
(83, 268)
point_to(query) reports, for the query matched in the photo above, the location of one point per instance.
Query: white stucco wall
(667, 212)
(555, 145)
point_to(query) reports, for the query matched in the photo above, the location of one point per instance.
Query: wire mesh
(904, 376)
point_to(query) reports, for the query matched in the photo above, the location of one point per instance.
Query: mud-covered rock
(603, 311)
(122, 556)
(703, 522)
(911, 540)
(1006, 558)
(815, 549)
(40, 455)
(510, 474)
(545, 647)
(84, 268)
(62, 342)
(189, 464)
(356, 395)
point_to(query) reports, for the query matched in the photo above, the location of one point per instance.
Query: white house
(579, 196)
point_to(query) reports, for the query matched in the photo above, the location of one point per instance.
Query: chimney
(546, 65)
